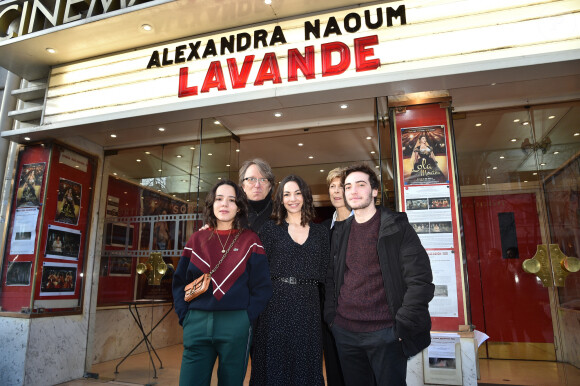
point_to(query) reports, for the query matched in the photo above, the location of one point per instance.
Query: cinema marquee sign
(297, 61)
(18, 18)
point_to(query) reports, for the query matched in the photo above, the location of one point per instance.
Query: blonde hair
(334, 173)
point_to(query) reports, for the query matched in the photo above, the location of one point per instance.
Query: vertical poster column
(18, 265)
(428, 194)
(61, 258)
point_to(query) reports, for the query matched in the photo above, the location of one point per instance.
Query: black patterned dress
(288, 337)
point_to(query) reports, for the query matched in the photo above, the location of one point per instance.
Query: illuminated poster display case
(44, 258)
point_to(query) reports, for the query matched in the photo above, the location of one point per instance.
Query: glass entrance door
(518, 171)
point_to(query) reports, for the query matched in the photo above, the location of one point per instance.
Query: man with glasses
(257, 180)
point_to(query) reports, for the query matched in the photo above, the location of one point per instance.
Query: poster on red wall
(428, 197)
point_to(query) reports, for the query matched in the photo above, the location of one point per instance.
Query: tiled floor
(137, 370)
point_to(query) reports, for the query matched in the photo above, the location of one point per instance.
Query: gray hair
(262, 165)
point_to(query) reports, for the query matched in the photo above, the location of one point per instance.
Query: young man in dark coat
(378, 287)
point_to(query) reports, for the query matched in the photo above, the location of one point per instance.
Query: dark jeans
(371, 358)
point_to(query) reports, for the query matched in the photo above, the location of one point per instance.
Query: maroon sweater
(362, 302)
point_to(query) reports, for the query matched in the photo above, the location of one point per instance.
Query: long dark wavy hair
(241, 219)
(279, 212)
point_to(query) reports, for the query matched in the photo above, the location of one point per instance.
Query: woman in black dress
(425, 168)
(287, 341)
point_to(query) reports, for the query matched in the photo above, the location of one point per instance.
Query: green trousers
(208, 335)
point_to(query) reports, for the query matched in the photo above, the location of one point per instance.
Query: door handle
(562, 265)
(539, 265)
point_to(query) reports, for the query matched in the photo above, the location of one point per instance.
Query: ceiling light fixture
(159, 170)
(217, 123)
(179, 156)
(300, 144)
(228, 165)
(369, 137)
(277, 115)
(321, 170)
(373, 152)
(50, 50)
(310, 157)
(138, 160)
(501, 157)
(478, 124)
(556, 152)
(494, 168)
(209, 153)
(551, 117)
(344, 106)
(525, 123)
(576, 134)
(146, 27)
(27, 138)
(113, 135)
(516, 120)
(161, 129)
(147, 152)
(237, 150)
(513, 139)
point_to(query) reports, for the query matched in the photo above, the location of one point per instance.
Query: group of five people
(283, 287)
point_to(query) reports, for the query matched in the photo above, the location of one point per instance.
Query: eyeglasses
(253, 180)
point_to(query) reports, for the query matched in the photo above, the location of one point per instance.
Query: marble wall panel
(14, 338)
(116, 332)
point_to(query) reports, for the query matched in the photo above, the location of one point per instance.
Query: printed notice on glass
(444, 302)
(24, 231)
(429, 211)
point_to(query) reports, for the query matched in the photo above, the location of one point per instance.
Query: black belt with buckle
(293, 280)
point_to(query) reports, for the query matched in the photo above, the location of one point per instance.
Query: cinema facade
(118, 117)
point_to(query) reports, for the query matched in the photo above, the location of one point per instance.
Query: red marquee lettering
(361, 53)
(185, 91)
(304, 63)
(328, 69)
(269, 70)
(240, 79)
(214, 78)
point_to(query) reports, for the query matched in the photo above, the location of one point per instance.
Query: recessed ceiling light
(376, 167)
(516, 120)
(219, 178)
(228, 165)
(535, 173)
(217, 123)
(556, 152)
(525, 123)
(115, 174)
(525, 180)
(369, 137)
(543, 164)
(310, 157)
(373, 152)
(344, 106)
(183, 180)
(138, 160)
(576, 134)
(488, 177)
(237, 150)
(209, 153)
(161, 129)
(513, 139)
(494, 168)
(192, 148)
(321, 170)
(146, 27)
(501, 157)
(277, 115)
(493, 84)
(179, 156)
(478, 124)
(50, 50)
(113, 135)
(483, 184)
(267, 2)
(147, 152)
(300, 144)
(551, 117)
(159, 170)
(27, 138)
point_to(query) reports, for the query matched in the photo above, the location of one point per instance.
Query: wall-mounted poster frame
(428, 193)
(43, 265)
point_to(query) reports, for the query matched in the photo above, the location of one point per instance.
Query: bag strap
(224, 256)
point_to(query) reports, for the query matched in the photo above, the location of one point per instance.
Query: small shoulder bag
(201, 284)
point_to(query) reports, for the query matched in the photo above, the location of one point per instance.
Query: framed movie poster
(69, 201)
(58, 279)
(63, 243)
(29, 185)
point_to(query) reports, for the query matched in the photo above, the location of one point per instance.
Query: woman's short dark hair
(279, 212)
(363, 168)
(241, 219)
